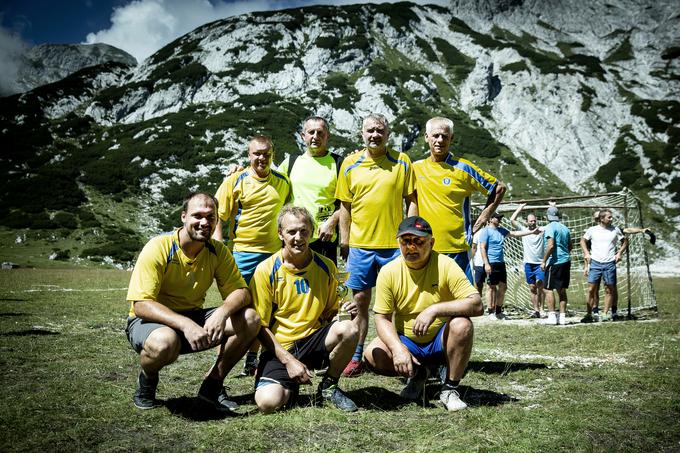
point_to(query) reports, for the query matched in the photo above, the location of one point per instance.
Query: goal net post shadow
(634, 279)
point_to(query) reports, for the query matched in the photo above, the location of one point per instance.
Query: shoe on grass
(249, 368)
(562, 319)
(450, 398)
(535, 315)
(353, 368)
(551, 320)
(333, 395)
(145, 394)
(415, 386)
(587, 319)
(493, 317)
(214, 393)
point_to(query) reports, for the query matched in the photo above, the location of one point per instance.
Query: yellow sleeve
(227, 275)
(225, 197)
(384, 297)
(342, 191)
(262, 292)
(145, 282)
(410, 178)
(479, 180)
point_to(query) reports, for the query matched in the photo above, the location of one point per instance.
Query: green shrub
(65, 220)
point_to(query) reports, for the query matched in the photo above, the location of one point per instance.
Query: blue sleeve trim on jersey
(237, 216)
(355, 164)
(173, 250)
(319, 262)
(240, 178)
(277, 266)
(488, 185)
(396, 161)
(279, 175)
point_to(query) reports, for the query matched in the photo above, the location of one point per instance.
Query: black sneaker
(249, 368)
(145, 395)
(214, 393)
(535, 315)
(337, 398)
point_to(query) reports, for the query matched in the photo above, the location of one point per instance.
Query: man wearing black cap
(557, 265)
(423, 306)
(491, 247)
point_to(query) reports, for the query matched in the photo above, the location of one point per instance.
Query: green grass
(68, 376)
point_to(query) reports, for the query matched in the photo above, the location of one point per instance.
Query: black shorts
(138, 330)
(326, 248)
(480, 275)
(497, 275)
(557, 276)
(311, 351)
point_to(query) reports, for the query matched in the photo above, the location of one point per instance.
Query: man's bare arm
(492, 203)
(411, 204)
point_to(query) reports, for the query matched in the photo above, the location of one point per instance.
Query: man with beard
(166, 294)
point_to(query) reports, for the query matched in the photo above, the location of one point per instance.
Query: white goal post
(635, 288)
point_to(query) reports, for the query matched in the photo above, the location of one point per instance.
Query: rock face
(551, 96)
(47, 63)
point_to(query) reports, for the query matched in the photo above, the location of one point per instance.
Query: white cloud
(11, 49)
(144, 26)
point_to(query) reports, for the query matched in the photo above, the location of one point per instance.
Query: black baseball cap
(415, 225)
(496, 215)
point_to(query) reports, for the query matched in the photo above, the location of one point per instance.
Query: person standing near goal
(556, 264)
(532, 256)
(601, 259)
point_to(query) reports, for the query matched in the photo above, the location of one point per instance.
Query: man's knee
(348, 331)
(248, 321)
(610, 289)
(533, 289)
(163, 344)
(461, 330)
(270, 398)
(377, 357)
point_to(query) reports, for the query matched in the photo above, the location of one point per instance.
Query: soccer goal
(636, 292)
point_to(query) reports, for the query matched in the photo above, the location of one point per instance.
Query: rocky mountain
(550, 96)
(47, 63)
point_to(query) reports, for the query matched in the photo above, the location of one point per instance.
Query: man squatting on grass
(295, 294)
(166, 293)
(423, 306)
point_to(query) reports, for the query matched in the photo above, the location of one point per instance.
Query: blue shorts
(363, 266)
(427, 353)
(602, 271)
(462, 259)
(533, 273)
(480, 275)
(247, 262)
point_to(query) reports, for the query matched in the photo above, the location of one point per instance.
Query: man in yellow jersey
(445, 184)
(295, 293)
(249, 201)
(314, 176)
(372, 184)
(423, 305)
(166, 294)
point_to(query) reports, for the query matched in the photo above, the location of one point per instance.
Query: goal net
(635, 289)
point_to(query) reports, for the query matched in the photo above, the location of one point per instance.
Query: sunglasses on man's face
(417, 241)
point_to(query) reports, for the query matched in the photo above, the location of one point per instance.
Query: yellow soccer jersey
(444, 190)
(295, 305)
(249, 206)
(407, 292)
(376, 188)
(163, 273)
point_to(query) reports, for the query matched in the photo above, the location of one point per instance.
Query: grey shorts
(138, 330)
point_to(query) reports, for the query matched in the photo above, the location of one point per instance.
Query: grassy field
(68, 375)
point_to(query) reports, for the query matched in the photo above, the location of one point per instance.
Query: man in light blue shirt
(490, 243)
(557, 265)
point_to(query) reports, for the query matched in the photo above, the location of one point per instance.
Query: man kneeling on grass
(167, 291)
(432, 301)
(295, 294)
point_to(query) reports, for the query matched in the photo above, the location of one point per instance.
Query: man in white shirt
(532, 257)
(601, 260)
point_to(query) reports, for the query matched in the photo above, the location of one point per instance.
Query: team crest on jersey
(446, 181)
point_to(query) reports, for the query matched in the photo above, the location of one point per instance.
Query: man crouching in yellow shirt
(166, 295)
(295, 294)
(432, 302)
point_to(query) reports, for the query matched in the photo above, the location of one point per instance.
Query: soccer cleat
(501, 316)
(605, 318)
(562, 320)
(450, 398)
(535, 315)
(214, 393)
(587, 319)
(596, 316)
(145, 394)
(353, 368)
(337, 398)
(493, 317)
(551, 320)
(415, 386)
